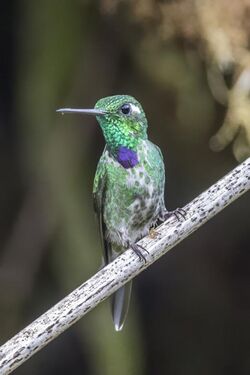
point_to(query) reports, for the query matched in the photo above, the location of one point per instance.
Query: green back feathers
(124, 123)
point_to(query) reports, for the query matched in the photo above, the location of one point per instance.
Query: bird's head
(121, 118)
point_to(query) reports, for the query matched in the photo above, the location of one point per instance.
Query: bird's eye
(126, 109)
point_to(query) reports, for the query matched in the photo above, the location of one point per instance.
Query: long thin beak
(93, 112)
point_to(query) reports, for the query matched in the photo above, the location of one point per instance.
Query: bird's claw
(179, 213)
(138, 251)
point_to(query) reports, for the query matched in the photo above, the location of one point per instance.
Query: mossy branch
(124, 268)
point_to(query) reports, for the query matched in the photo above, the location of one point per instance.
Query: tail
(121, 298)
(120, 304)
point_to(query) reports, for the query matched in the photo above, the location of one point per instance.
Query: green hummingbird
(129, 184)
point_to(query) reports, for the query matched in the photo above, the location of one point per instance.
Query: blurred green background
(190, 311)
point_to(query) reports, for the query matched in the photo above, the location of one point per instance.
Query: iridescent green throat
(126, 133)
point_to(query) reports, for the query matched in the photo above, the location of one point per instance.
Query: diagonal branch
(124, 268)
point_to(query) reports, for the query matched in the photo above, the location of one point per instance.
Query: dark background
(190, 312)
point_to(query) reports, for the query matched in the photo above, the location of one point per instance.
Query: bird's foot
(138, 251)
(179, 213)
(153, 234)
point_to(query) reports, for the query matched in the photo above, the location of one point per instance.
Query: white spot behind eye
(134, 108)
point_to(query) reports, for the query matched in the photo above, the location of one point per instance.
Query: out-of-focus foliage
(219, 31)
(187, 62)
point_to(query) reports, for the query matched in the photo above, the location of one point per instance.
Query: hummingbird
(129, 185)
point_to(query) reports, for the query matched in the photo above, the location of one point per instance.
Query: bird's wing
(161, 165)
(99, 190)
(159, 150)
(161, 171)
(120, 299)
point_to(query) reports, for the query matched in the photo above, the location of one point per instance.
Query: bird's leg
(179, 213)
(138, 250)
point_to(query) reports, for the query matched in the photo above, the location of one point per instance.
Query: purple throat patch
(126, 157)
